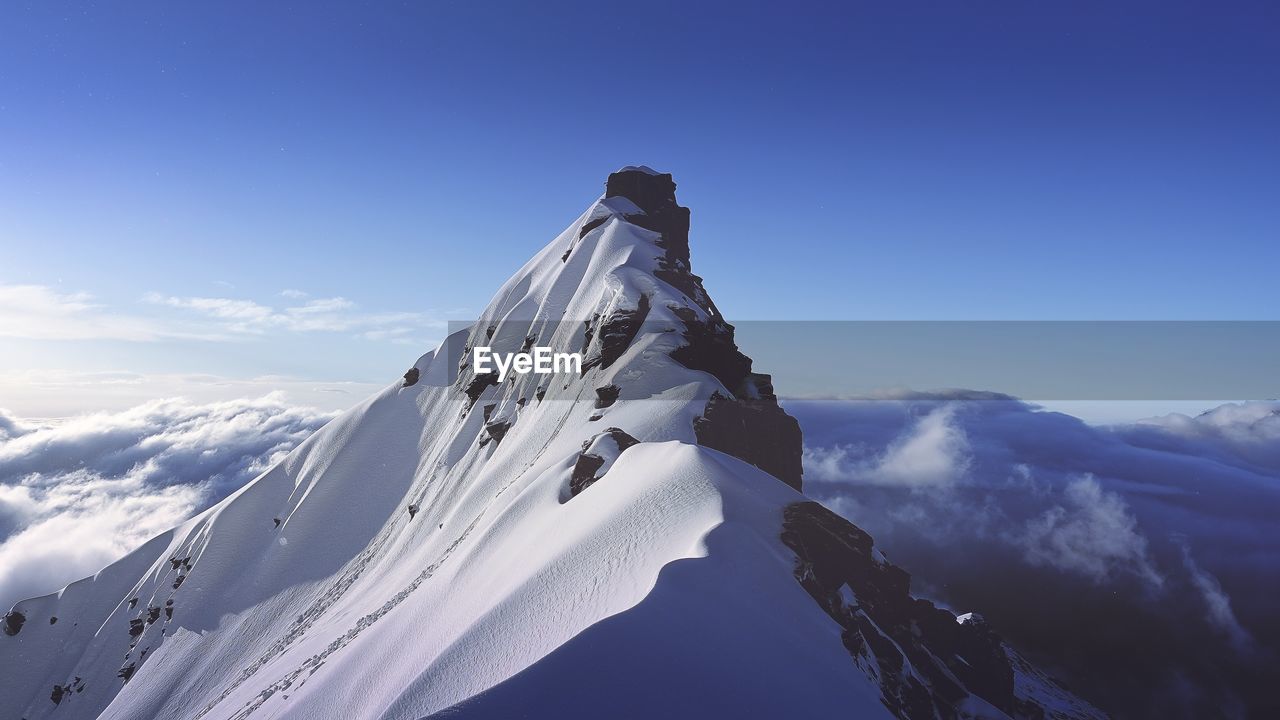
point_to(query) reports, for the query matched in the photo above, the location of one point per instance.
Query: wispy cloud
(931, 454)
(1217, 604)
(42, 313)
(334, 314)
(1092, 532)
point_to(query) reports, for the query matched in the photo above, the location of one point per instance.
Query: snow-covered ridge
(469, 548)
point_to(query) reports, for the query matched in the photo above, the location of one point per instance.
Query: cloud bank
(77, 494)
(1140, 561)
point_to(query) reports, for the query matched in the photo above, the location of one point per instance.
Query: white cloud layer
(1141, 559)
(933, 453)
(1092, 533)
(77, 494)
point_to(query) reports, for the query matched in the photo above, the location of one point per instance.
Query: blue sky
(387, 165)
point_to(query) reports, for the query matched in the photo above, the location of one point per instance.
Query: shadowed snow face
(1141, 559)
(77, 494)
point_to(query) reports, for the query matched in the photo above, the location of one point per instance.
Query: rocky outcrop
(755, 430)
(497, 430)
(411, 377)
(606, 396)
(926, 661)
(478, 385)
(597, 456)
(746, 421)
(655, 194)
(615, 334)
(13, 622)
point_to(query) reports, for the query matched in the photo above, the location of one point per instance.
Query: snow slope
(631, 542)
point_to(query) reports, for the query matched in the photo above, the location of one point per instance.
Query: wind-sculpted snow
(455, 533)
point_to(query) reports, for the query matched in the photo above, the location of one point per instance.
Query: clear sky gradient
(168, 170)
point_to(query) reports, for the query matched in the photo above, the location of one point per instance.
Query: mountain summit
(627, 541)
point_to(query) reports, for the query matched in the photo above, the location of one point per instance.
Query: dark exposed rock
(178, 581)
(478, 384)
(592, 225)
(13, 621)
(584, 473)
(153, 614)
(748, 422)
(58, 692)
(168, 611)
(587, 465)
(497, 430)
(411, 377)
(488, 411)
(136, 626)
(133, 603)
(413, 510)
(606, 396)
(126, 672)
(53, 620)
(928, 662)
(540, 393)
(755, 430)
(709, 347)
(655, 194)
(276, 520)
(589, 334)
(616, 333)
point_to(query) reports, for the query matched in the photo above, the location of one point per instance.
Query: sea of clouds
(1141, 562)
(78, 493)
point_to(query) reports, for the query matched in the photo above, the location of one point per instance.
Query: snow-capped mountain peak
(626, 540)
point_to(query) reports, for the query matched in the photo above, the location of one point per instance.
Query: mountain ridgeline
(627, 541)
